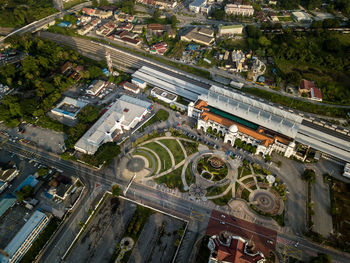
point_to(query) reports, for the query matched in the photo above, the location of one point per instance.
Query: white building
(163, 95)
(69, 108)
(215, 111)
(243, 10)
(96, 87)
(130, 87)
(301, 16)
(347, 170)
(196, 5)
(139, 82)
(123, 115)
(230, 30)
(25, 237)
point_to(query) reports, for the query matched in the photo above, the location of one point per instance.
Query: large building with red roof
(232, 127)
(226, 248)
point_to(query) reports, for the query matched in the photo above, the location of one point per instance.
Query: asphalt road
(155, 198)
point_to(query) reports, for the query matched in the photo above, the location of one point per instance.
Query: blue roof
(30, 180)
(6, 202)
(64, 24)
(197, 2)
(22, 235)
(138, 80)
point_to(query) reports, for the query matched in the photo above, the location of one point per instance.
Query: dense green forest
(37, 80)
(16, 13)
(321, 56)
(331, 5)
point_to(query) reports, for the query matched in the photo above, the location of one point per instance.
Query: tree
(309, 175)
(24, 192)
(321, 258)
(43, 171)
(95, 72)
(218, 14)
(116, 190)
(173, 21)
(88, 114)
(94, 3)
(156, 15)
(263, 41)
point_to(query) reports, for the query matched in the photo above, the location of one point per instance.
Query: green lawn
(216, 190)
(149, 159)
(285, 18)
(162, 153)
(175, 148)
(246, 171)
(245, 195)
(161, 115)
(190, 147)
(172, 179)
(223, 200)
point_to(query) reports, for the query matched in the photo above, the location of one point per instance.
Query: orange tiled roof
(200, 104)
(227, 123)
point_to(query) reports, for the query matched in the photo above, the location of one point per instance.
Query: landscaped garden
(212, 168)
(161, 152)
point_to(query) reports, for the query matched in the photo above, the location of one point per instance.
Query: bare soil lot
(155, 242)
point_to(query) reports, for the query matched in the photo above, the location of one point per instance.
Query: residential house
(243, 10)
(310, 88)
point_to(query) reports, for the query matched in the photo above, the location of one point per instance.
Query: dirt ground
(156, 242)
(103, 233)
(99, 240)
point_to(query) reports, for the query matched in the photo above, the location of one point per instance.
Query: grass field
(161, 115)
(285, 18)
(190, 147)
(172, 179)
(216, 190)
(223, 200)
(162, 153)
(175, 148)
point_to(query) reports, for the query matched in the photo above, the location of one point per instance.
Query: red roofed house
(310, 88)
(159, 48)
(232, 249)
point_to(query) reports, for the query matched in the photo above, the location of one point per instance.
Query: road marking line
(197, 215)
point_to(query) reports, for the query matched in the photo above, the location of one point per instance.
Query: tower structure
(58, 4)
(109, 62)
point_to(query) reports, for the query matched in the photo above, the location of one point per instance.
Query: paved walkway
(156, 155)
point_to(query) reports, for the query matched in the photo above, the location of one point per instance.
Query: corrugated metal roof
(6, 202)
(24, 232)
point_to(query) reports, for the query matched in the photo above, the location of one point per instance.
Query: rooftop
(254, 110)
(32, 223)
(122, 113)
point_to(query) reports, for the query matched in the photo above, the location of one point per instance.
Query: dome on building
(233, 128)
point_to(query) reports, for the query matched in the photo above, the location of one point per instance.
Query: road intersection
(198, 213)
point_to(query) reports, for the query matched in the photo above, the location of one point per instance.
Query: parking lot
(11, 222)
(45, 138)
